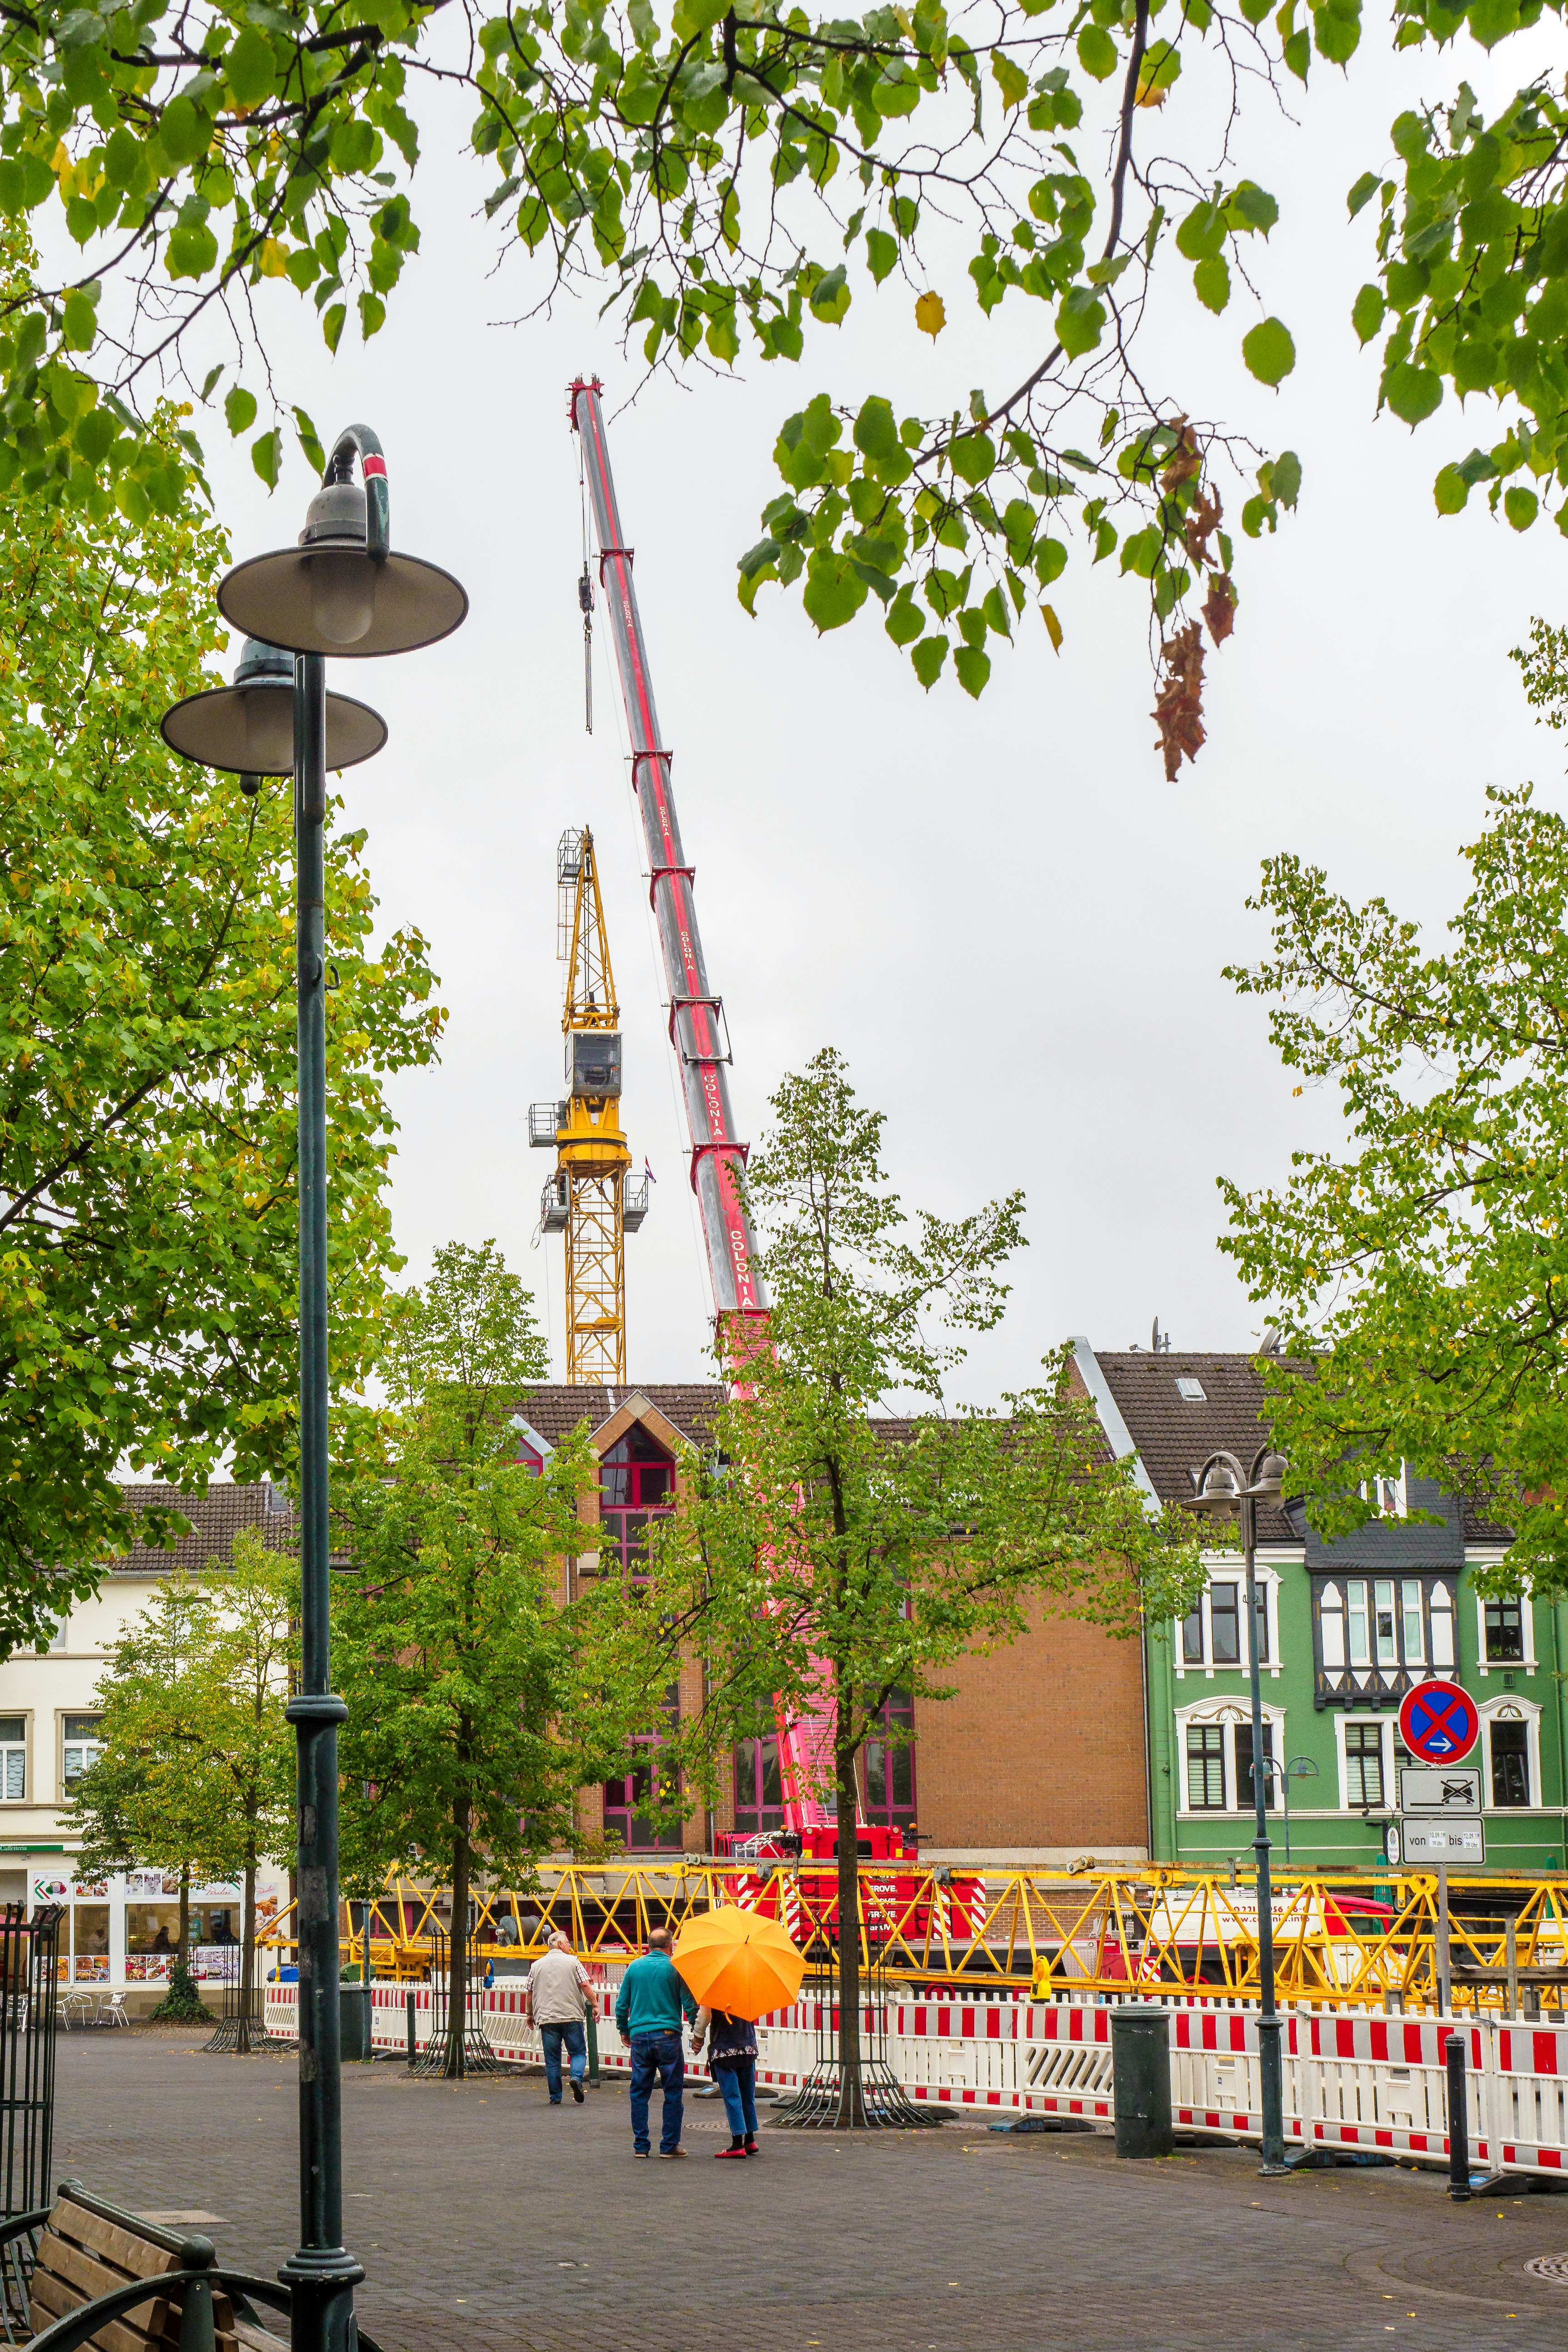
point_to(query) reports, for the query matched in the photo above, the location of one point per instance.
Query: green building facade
(1344, 1631)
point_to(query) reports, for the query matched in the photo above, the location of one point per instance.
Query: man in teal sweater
(649, 2009)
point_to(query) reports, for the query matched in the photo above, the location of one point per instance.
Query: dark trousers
(737, 2083)
(658, 2058)
(576, 2043)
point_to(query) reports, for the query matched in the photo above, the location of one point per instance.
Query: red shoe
(720, 2153)
(751, 2149)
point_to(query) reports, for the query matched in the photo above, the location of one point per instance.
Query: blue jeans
(657, 2057)
(736, 2083)
(576, 2043)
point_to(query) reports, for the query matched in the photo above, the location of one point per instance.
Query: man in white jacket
(558, 1998)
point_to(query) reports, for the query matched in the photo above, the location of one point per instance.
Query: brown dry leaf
(1179, 711)
(1219, 606)
(930, 315)
(1185, 459)
(1203, 520)
(1053, 628)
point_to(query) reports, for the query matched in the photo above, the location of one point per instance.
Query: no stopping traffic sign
(1438, 1722)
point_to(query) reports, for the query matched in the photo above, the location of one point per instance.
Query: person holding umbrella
(741, 1965)
(732, 2063)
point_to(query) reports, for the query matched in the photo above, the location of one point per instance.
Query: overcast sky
(1000, 911)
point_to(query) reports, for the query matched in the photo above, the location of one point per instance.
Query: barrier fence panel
(1350, 2081)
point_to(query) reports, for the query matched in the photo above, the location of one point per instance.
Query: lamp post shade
(336, 593)
(249, 727)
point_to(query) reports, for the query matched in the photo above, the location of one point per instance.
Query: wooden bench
(74, 2269)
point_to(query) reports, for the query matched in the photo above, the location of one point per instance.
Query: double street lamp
(343, 591)
(1223, 1491)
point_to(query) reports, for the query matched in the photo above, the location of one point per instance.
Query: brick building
(1038, 1757)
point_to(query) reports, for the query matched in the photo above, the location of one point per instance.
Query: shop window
(1245, 1793)
(1205, 1768)
(80, 1747)
(1511, 1763)
(12, 1756)
(1505, 1634)
(154, 1927)
(90, 1938)
(891, 1765)
(1363, 1766)
(1224, 1626)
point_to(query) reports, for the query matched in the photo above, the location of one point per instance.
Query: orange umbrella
(739, 1961)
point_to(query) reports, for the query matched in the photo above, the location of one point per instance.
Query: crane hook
(586, 599)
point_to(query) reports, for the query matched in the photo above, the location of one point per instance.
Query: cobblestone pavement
(485, 2218)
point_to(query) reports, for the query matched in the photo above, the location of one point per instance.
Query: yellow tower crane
(592, 1197)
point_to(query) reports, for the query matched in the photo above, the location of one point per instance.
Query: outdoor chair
(86, 2272)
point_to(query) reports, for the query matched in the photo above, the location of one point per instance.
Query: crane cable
(586, 593)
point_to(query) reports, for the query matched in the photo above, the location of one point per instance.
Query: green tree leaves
(1418, 1263)
(147, 1048)
(1269, 350)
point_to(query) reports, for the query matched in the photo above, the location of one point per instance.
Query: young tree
(1420, 1276)
(197, 1769)
(478, 1703)
(148, 1279)
(721, 173)
(245, 1750)
(829, 1556)
(137, 1804)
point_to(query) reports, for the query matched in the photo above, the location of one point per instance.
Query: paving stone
(485, 2218)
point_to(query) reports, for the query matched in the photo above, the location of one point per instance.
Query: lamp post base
(322, 2280)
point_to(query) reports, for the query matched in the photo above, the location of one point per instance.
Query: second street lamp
(1225, 1491)
(341, 590)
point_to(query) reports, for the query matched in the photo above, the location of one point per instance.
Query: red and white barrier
(1350, 2081)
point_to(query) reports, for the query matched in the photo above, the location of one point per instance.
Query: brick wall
(1042, 1746)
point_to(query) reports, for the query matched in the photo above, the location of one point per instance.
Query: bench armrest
(239, 2287)
(67, 2335)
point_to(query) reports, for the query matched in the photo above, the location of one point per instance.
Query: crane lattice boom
(591, 1197)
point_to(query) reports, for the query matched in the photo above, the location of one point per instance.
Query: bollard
(1140, 2066)
(412, 2051)
(1458, 2124)
(591, 2019)
(353, 2021)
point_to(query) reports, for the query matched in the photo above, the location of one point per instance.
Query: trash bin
(353, 2019)
(1140, 2064)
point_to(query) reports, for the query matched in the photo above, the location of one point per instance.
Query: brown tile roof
(216, 1519)
(557, 1408)
(1174, 1434)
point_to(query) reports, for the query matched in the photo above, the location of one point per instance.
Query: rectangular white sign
(1444, 1842)
(1437, 1788)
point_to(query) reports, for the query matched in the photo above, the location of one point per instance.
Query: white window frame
(1228, 1567)
(1511, 1707)
(60, 1744)
(27, 1798)
(1525, 1665)
(1389, 1724)
(1228, 1713)
(1383, 1490)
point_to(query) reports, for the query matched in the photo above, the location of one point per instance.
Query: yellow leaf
(273, 257)
(1053, 626)
(930, 315)
(1150, 94)
(61, 162)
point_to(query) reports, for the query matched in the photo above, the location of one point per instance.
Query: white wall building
(117, 1931)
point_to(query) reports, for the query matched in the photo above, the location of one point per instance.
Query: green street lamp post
(341, 590)
(1223, 1491)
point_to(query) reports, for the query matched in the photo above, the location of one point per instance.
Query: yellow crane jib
(592, 1197)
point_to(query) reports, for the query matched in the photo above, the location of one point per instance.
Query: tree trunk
(851, 2092)
(457, 1978)
(245, 1988)
(182, 1951)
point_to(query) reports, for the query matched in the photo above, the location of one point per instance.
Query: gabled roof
(555, 1408)
(1175, 1433)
